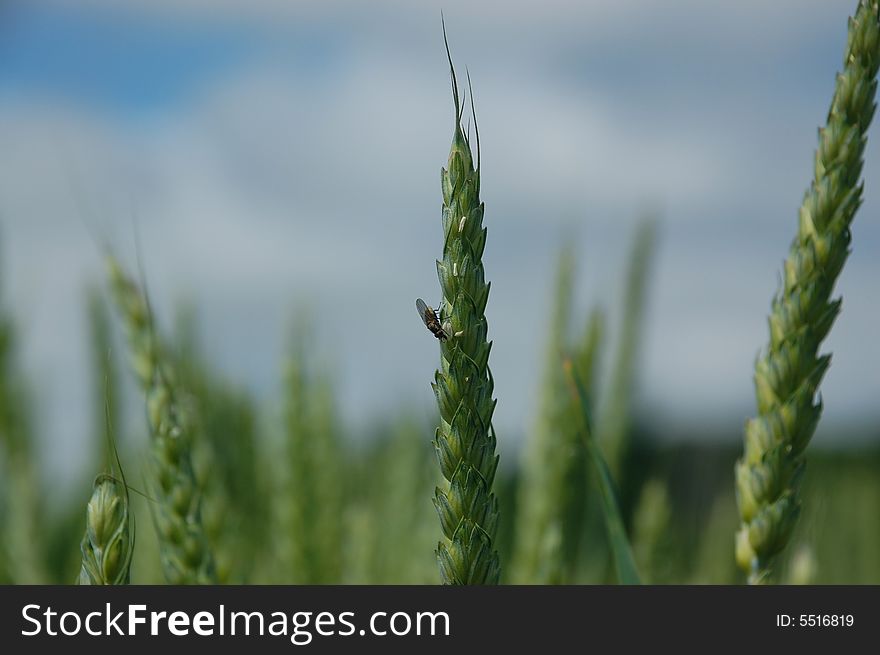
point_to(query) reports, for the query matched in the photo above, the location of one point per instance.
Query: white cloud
(599, 16)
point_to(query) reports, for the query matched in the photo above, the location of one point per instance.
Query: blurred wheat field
(293, 499)
(220, 486)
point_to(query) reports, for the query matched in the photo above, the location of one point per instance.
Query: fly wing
(424, 310)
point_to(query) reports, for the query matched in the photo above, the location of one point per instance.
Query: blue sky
(120, 63)
(279, 155)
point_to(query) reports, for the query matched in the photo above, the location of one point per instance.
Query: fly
(431, 319)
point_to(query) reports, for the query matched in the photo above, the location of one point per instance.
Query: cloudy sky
(279, 155)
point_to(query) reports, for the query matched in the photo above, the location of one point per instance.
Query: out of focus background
(271, 165)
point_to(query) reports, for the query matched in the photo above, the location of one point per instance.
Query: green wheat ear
(186, 555)
(788, 374)
(465, 439)
(108, 543)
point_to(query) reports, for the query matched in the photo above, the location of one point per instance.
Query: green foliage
(576, 503)
(23, 546)
(390, 530)
(613, 424)
(711, 561)
(624, 564)
(651, 525)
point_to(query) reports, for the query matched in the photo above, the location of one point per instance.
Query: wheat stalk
(186, 557)
(315, 474)
(612, 429)
(551, 492)
(465, 439)
(621, 551)
(788, 373)
(537, 556)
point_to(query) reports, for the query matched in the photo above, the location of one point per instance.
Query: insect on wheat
(431, 319)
